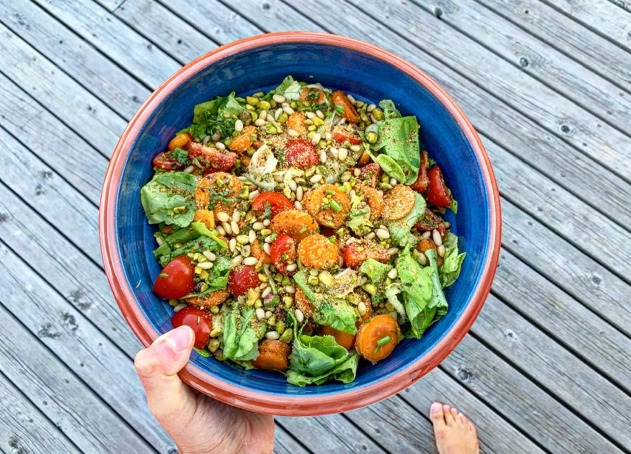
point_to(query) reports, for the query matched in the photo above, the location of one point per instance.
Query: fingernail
(435, 408)
(180, 338)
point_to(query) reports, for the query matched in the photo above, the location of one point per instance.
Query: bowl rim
(296, 405)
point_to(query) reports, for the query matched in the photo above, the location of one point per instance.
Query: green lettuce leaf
(438, 302)
(376, 271)
(241, 336)
(452, 262)
(169, 198)
(289, 88)
(399, 140)
(400, 230)
(344, 372)
(201, 228)
(389, 109)
(417, 288)
(216, 116)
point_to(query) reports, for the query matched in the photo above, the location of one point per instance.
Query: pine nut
(279, 98)
(235, 227)
(238, 126)
(300, 317)
(223, 217)
(250, 261)
(292, 132)
(273, 335)
(437, 238)
(252, 236)
(233, 244)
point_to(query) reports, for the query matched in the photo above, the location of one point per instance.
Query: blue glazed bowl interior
(366, 78)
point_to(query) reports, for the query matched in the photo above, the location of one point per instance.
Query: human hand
(197, 423)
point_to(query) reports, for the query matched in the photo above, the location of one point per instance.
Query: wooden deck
(547, 83)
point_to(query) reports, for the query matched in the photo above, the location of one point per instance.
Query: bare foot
(455, 434)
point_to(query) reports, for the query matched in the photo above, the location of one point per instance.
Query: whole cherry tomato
(283, 253)
(199, 320)
(301, 153)
(176, 279)
(278, 202)
(439, 194)
(241, 279)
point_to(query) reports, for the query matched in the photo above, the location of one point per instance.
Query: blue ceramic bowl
(369, 74)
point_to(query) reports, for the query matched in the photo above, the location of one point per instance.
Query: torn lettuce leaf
(169, 198)
(452, 261)
(376, 271)
(289, 88)
(399, 141)
(201, 228)
(417, 288)
(241, 336)
(400, 231)
(389, 109)
(216, 116)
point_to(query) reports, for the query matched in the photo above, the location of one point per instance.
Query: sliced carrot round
(260, 254)
(273, 355)
(206, 217)
(316, 251)
(219, 183)
(374, 199)
(348, 109)
(296, 121)
(346, 340)
(303, 303)
(328, 205)
(398, 202)
(213, 299)
(244, 140)
(295, 223)
(377, 337)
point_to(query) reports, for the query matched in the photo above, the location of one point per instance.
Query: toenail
(435, 408)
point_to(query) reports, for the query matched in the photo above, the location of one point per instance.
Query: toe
(437, 415)
(449, 417)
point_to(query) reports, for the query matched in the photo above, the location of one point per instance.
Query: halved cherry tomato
(278, 202)
(166, 161)
(343, 136)
(283, 253)
(439, 194)
(349, 111)
(211, 159)
(312, 94)
(199, 320)
(371, 174)
(422, 181)
(358, 252)
(176, 279)
(301, 153)
(241, 279)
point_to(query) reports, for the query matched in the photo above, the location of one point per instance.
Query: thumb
(157, 366)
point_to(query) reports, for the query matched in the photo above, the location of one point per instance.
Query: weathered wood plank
(183, 42)
(114, 38)
(601, 16)
(549, 66)
(51, 255)
(56, 91)
(522, 401)
(568, 36)
(519, 90)
(27, 430)
(83, 349)
(331, 433)
(562, 318)
(58, 393)
(78, 59)
(496, 434)
(567, 266)
(557, 370)
(285, 444)
(52, 197)
(45, 134)
(547, 153)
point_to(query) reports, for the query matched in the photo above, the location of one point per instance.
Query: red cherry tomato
(422, 181)
(301, 153)
(199, 320)
(176, 279)
(358, 252)
(165, 161)
(439, 194)
(211, 159)
(371, 174)
(241, 279)
(283, 253)
(278, 202)
(342, 137)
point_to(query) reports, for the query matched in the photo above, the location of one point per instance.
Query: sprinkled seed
(311, 115)
(351, 99)
(258, 225)
(259, 122)
(292, 132)
(233, 244)
(260, 313)
(221, 230)
(267, 248)
(323, 156)
(216, 136)
(320, 114)
(209, 255)
(266, 222)
(370, 108)
(316, 138)
(370, 236)
(250, 261)
(357, 172)
(298, 205)
(355, 147)
(392, 274)
(205, 265)
(179, 307)
(288, 110)
(223, 217)
(189, 169)
(290, 289)
(334, 152)
(426, 235)
(437, 238)
(315, 178)
(263, 115)
(361, 308)
(268, 314)
(421, 258)
(236, 261)
(206, 139)
(292, 185)
(279, 98)
(300, 317)
(291, 268)
(236, 216)
(393, 250)
(343, 154)
(272, 335)
(393, 181)
(220, 146)
(159, 241)
(266, 292)
(269, 239)
(252, 236)
(235, 227)
(238, 126)
(299, 193)
(441, 251)
(382, 234)
(253, 195)
(227, 228)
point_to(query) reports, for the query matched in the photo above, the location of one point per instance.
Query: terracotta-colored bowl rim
(298, 405)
